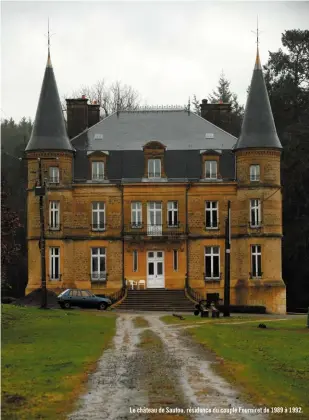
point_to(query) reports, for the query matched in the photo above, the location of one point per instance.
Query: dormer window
(154, 168)
(254, 172)
(53, 175)
(211, 169)
(97, 171)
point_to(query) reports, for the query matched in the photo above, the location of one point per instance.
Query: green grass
(46, 356)
(270, 366)
(192, 319)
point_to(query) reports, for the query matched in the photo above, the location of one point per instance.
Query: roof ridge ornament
(49, 64)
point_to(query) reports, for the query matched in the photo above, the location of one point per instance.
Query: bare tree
(109, 97)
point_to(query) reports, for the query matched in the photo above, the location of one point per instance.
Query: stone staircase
(157, 300)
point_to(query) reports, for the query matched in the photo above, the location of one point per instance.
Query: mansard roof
(177, 129)
(49, 130)
(258, 127)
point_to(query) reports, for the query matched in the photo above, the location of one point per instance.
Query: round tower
(258, 208)
(49, 154)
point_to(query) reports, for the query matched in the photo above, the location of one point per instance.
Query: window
(212, 262)
(175, 260)
(54, 263)
(256, 261)
(54, 215)
(154, 168)
(211, 169)
(255, 213)
(98, 264)
(154, 227)
(172, 213)
(53, 175)
(75, 293)
(135, 261)
(98, 216)
(254, 172)
(97, 171)
(136, 214)
(212, 215)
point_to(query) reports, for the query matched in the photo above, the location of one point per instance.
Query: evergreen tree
(223, 94)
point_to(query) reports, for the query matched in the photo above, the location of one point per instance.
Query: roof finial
(257, 60)
(49, 64)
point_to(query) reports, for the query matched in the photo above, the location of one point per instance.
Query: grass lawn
(192, 319)
(270, 366)
(46, 356)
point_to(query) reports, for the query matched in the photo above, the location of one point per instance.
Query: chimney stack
(81, 115)
(215, 113)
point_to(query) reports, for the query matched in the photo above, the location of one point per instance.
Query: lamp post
(226, 311)
(40, 190)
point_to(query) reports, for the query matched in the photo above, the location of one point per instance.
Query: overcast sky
(167, 51)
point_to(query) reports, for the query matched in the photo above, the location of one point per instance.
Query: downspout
(188, 186)
(122, 234)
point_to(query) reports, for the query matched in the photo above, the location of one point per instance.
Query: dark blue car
(82, 299)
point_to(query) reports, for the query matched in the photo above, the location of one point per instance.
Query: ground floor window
(98, 263)
(212, 262)
(54, 263)
(256, 261)
(175, 260)
(135, 261)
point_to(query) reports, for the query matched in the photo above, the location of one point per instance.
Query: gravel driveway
(157, 368)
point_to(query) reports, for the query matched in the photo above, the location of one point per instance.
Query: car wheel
(102, 306)
(67, 305)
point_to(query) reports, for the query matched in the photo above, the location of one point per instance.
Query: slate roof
(128, 165)
(176, 129)
(258, 127)
(49, 130)
(124, 135)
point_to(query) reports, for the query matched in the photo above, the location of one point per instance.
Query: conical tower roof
(258, 128)
(49, 130)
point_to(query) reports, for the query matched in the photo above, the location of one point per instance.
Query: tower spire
(258, 128)
(49, 64)
(257, 60)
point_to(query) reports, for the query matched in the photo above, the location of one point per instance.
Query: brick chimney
(77, 116)
(93, 113)
(216, 113)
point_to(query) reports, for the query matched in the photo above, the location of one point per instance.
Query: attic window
(209, 135)
(97, 171)
(98, 136)
(211, 169)
(154, 168)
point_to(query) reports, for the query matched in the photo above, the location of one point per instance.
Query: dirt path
(154, 367)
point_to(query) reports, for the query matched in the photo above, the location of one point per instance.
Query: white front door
(155, 269)
(154, 227)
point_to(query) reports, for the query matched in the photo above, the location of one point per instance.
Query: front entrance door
(155, 269)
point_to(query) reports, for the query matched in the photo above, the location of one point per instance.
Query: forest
(287, 77)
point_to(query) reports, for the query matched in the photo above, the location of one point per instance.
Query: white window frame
(54, 258)
(255, 208)
(256, 252)
(213, 169)
(53, 175)
(136, 214)
(98, 168)
(175, 259)
(172, 208)
(214, 207)
(154, 211)
(54, 215)
(255, 172)
(154, 172)
(98, 253)
(212, 254)
(98, 208)
(135, 261)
